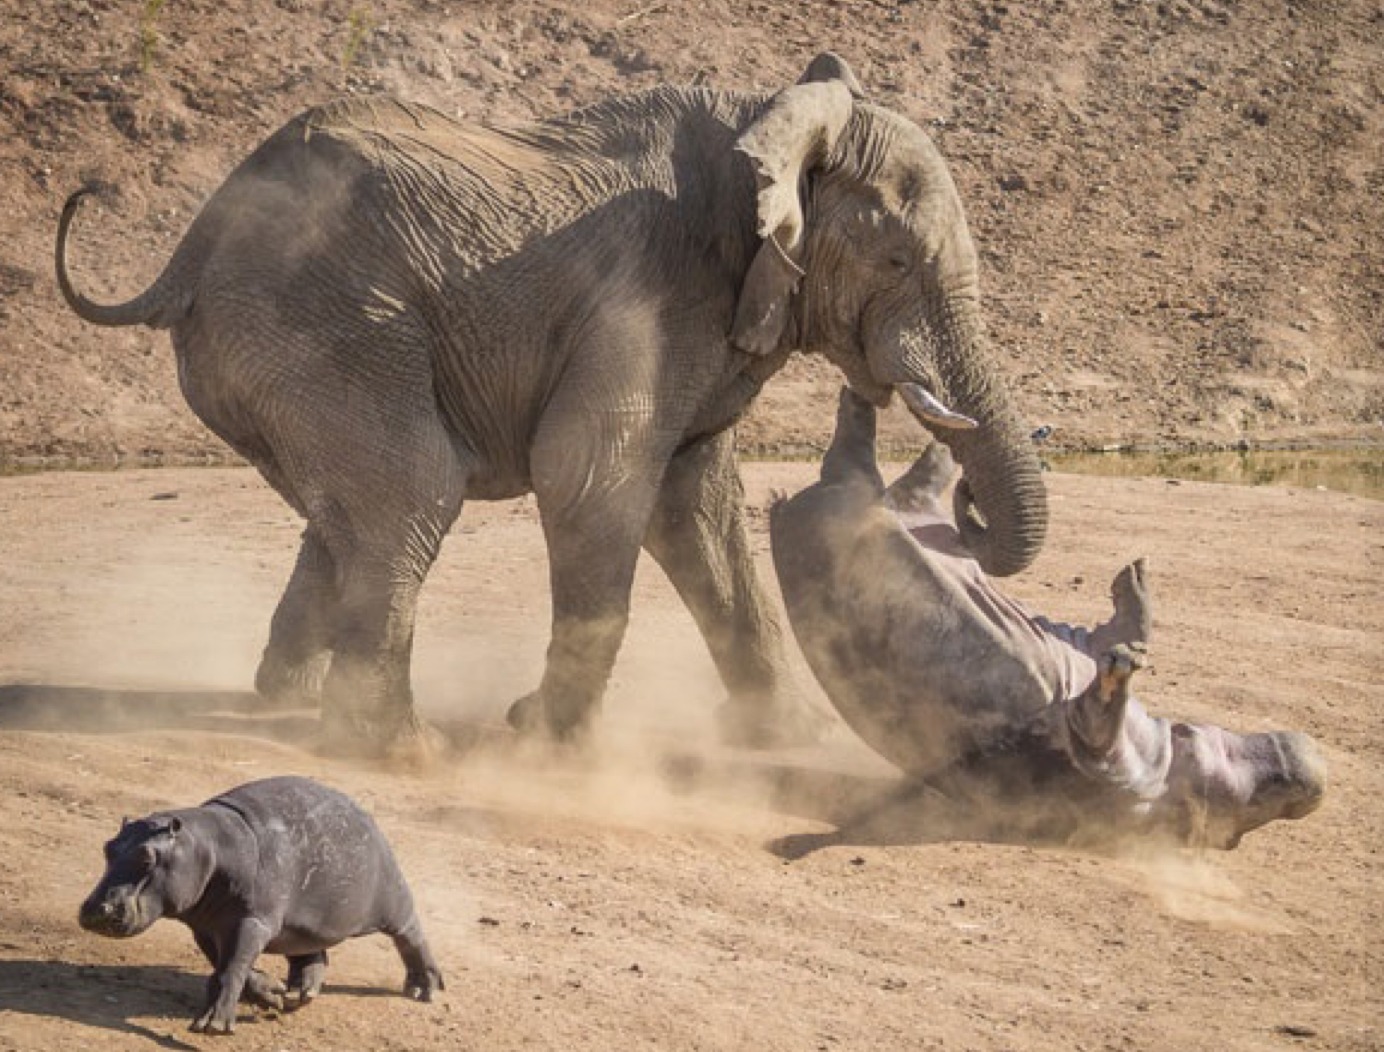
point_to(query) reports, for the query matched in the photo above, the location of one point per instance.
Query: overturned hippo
(969, 693)
(284, 866)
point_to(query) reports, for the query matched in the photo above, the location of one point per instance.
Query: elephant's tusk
(925, 406)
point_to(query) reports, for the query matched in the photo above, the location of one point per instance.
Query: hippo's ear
(124, 822)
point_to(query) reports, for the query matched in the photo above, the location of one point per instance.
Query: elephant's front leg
(591, 566)
(698, 535)
(595, 476)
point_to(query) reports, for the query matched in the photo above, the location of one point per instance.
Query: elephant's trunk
(1001, 505)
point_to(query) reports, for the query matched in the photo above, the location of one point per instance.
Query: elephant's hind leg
(383, 541)
(295, 662)
(379, 504)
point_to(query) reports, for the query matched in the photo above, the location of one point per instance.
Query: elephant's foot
(534, 716)
(284, 684)
(1133, 620)
(769, 722)
(397, 738)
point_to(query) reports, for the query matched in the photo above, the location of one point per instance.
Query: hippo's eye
(147, 857)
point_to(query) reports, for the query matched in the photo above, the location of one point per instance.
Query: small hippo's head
(147, 877)
(1221, 785)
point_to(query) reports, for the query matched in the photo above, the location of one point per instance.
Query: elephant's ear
(796, 131)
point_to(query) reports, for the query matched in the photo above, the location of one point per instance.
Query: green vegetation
(359, 26)
(149, 33)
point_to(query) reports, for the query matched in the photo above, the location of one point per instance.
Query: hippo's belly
(923, 663)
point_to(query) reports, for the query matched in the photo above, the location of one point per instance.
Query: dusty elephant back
(896, 644)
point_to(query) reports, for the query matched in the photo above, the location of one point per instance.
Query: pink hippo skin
(973, 695)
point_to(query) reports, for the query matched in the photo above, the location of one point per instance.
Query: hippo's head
(1221, 785)
(149, 874)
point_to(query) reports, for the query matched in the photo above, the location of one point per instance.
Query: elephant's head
(866, 258)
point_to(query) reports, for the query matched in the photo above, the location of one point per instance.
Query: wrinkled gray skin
(388, 313)
(961, 687)
(283, 865)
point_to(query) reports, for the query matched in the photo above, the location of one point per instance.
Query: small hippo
(970, 694)
(282, 865)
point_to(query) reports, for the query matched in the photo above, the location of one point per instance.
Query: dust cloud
(1189, 886)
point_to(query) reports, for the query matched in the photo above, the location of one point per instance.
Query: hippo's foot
(1133, 620)
(1116, 668)
(534, 716)
(306, 973)
(421, 983)
(773, 722)
(1096, 717)
(263, 991)
(219, 1015)
(283, 684)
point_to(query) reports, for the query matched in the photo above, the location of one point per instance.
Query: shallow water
(1357, 471)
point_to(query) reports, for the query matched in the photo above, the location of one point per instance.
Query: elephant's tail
(157, 306)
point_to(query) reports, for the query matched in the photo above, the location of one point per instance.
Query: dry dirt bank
(632, 902)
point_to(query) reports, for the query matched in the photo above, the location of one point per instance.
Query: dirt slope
(1180, 203)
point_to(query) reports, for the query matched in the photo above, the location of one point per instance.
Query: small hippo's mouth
(115, 920)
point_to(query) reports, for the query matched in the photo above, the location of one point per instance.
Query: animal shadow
(102, 995)
(103, 710)
(877, 810)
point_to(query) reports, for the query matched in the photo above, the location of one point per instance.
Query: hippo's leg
(851, 455)
(1131, 624)
(1133, 620)
(423, 977)
(1097, 717)
(237, 954)
(306, 973)
(920, 488)
(261, 988)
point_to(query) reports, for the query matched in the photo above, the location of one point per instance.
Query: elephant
(388, 312)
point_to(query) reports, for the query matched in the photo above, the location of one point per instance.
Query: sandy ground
(631, 899)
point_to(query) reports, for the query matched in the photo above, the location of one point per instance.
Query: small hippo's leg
(851, 455)
(261, 988)
(239, 951)
(306, 973)
(1097, 716)
(424, 977)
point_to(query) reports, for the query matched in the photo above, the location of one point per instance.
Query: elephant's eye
(899, 262)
